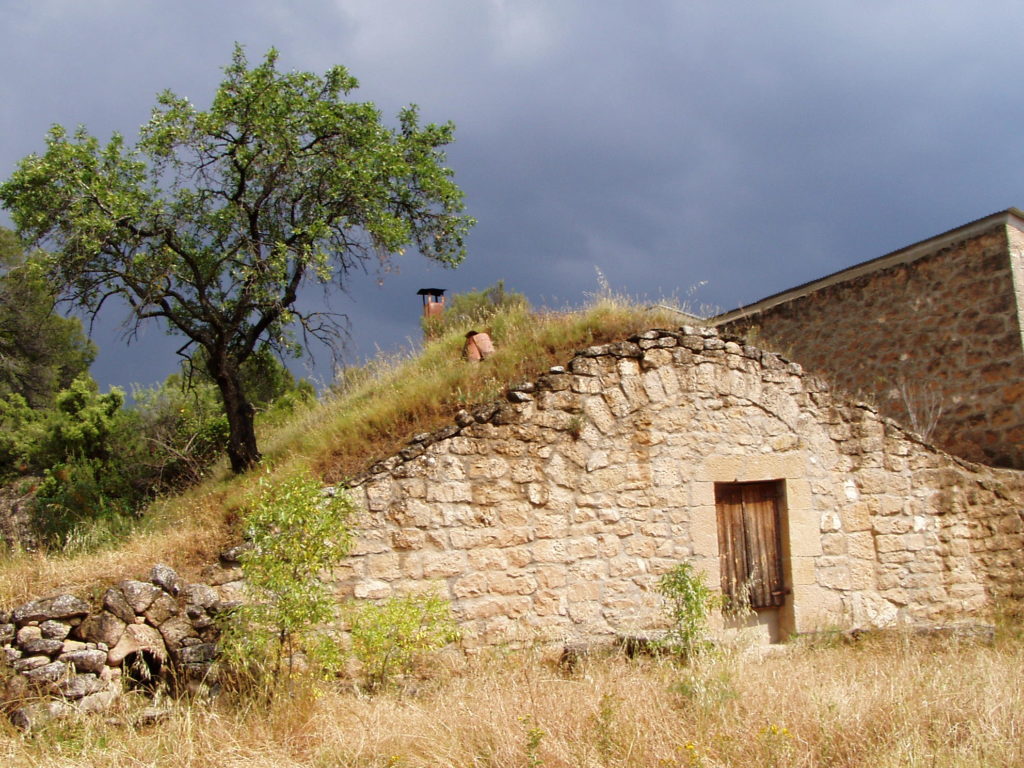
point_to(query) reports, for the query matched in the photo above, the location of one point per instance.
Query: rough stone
(161, 609)
(51, 608)
(139, 594)
(85, 660)
(102, 627)
(115, 601)
(166, 578)
(137, 637)
(50, 672)
(55, 630)
(78, 686)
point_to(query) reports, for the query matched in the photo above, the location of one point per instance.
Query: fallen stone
(175, 631)
(114, 600)
(197, 654)
(139, 594)
(85, 660)
(59, 607)
(55, 630)
(6, 633)
(161, 610)
(166, 578)
(137, 637)
(42, 645)
(28, 663)
(100, 701)
(77, 686)
(48, 673)
(215, 575)
(28, 634)
(103, 627)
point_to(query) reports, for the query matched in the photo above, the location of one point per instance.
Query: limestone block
(484, 608)
(371, 589)
(139, 594)
(551, 577)
(833, 544)
(803, 570)
(444, 564)
(512, 583)
(590, 570)
(449, 492)
(599, 414)
(470, 585)
(487, 467)
(624, 565)
(551, 526)
(587, 613)
(547, 602)
(383, 566)
(856, 517)
(861, 545)
(487, 559)
(551, 551)
(519, 556)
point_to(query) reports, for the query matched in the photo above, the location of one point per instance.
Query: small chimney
(433, 301)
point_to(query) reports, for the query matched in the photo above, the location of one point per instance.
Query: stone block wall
(944, 328)
(552, 515)
(142, 633)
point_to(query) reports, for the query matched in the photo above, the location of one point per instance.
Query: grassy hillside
(370, 413)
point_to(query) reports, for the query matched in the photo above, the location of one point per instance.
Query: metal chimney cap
(431, 291)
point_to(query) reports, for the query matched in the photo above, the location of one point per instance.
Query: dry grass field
(881, 702)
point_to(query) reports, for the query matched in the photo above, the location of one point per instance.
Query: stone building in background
(932, 334)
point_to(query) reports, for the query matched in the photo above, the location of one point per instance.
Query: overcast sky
(744, 146)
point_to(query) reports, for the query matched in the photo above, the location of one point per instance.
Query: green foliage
(391, 636)
(296, 532)
(688, 603)
(216, 219)
(464, 311)
(40, 351)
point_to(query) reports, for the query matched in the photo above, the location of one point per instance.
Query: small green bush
(391, 636)
(296, 532)
(688, 603)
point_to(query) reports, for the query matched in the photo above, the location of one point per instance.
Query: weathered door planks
(749, 542)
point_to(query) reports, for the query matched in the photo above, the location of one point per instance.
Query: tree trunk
(242, 450)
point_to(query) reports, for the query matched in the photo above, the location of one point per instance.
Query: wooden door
(750, 542)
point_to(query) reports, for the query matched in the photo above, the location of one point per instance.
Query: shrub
(689, 601)
(295, 532)
(390, 637)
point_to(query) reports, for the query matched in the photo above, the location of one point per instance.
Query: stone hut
(551, 515)
(932, 333)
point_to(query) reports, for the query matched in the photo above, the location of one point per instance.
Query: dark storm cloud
(751, 145)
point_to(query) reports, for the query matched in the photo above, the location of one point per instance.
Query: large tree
(215, 219)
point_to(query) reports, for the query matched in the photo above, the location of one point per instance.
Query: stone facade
(936, 328)
(552, 515)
